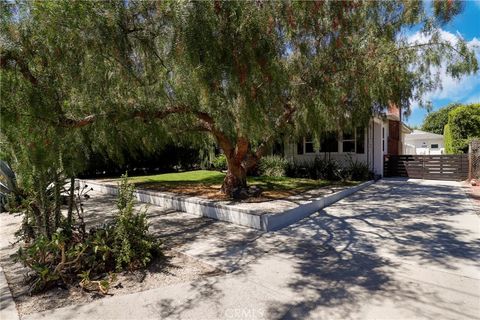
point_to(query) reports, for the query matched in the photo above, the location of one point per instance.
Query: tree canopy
(104, 74)
(463, 125)
(435, 121)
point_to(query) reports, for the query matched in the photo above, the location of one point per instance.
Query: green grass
(187, 177)
(209, 178)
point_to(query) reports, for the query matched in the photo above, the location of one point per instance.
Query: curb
(8, 310)
(249, 218)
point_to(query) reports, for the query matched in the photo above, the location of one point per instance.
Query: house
(384, 135)
(423, 142)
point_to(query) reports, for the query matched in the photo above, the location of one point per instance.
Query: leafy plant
(219, 162)
(70, 254)
(273, 166)
(326, 169)
(463, 126)
(357, 171)
(133, 244)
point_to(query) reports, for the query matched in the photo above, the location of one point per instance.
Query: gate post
(470, 162)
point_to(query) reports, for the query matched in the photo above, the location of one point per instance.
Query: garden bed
(172, 268)
(206, 184)
(293, 198)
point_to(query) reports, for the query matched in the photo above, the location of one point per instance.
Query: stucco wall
(373, 154)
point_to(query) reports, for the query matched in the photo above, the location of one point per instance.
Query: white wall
(423, 145)
(373, 154)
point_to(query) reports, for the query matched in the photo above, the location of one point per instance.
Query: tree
(463, 125)
(435, 121)
(244, 73)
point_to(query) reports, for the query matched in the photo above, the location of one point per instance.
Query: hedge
(463, 125)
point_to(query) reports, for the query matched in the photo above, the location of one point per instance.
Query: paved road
(396, 250)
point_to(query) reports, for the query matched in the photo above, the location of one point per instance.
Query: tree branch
(9, 56)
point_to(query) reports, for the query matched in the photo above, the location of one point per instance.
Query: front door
(393, 137)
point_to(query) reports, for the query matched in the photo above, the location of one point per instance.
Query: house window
(300, 147)
(309, 145)
(349, 141)
(329, 142)
(434, 146)
(360, 140)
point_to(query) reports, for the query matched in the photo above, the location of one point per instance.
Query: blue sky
(467, 90)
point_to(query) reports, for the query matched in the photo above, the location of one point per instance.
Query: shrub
(133, 244)
(357, 171)
(71, 254)
(447, 137)
(219, 162)
(273, 166)
(464, 125)
(317, 169)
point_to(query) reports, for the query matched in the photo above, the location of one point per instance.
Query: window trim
(305, 141)
(350, 140)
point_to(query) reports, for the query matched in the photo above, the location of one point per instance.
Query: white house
(423, 142)
(383, 135)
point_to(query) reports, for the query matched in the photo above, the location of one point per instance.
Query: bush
(447, 138)
(71, 254)
(220, 162)
(464, 125)
(133, 244)
(357, 171)
(273, 166)
(317, 169)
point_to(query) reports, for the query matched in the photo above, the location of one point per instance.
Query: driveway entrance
(434, 167)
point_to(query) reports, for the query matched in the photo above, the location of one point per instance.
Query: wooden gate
(435, 167)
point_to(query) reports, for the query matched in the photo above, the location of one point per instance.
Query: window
(360, 140)
(354, 141)
(329, 142)
(434, 146)
(309, 145)
(349, 141)
(300, 147)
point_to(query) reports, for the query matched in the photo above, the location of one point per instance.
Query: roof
(419, 134)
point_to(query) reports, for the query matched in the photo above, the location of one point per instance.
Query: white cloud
(451, 88)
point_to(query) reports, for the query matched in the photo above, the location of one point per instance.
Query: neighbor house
(384, 135)
(423, 142)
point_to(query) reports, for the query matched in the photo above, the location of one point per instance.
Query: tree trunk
(71, 201)
(236, 179)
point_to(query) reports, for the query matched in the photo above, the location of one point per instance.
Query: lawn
(207, 183)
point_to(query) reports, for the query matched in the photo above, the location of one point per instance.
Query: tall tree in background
(435, 121)
(240, 73)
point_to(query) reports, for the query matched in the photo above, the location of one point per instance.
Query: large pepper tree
(239, 73)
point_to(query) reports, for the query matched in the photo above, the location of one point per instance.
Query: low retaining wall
(256, 219)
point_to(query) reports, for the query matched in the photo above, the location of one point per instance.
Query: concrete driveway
(396, 250)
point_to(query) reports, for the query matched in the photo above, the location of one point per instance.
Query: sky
(467, 89)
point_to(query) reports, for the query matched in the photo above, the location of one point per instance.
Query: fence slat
(444, 167)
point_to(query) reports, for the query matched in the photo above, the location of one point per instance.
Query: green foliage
(435, 121)
(464, 125)
(133, 244)
(330, 170)
(357, 171)
(325, 169)
(85, 76)
(71, 254)
(273, 166)
(220, 162)
(448, 140)
(66, 255)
